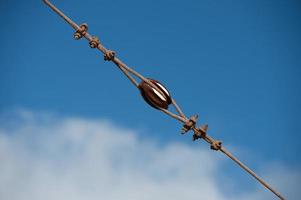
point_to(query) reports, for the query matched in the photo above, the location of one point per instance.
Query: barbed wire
(81, 31)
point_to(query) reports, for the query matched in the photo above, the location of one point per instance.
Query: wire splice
(188, 124)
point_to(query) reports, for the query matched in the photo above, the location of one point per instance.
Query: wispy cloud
(46, 157)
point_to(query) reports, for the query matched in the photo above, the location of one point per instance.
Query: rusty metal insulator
(155, 98)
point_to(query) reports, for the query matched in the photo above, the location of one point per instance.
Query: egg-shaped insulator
(155, 98)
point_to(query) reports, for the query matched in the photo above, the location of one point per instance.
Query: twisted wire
(189, 124)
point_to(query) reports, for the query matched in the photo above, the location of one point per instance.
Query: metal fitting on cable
(81, 31)
(94, 42)
(216, 145)
(190, 123)
(109, 55)
(200, 132)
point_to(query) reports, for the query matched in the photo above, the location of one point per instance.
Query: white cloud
(45, 157)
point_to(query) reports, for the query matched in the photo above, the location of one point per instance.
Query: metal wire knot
(109, 55)
(216, 145)
(94, 42)
(189, 124)
(200, 132)
(81, 31)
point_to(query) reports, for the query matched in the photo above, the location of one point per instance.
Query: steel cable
(189, 124)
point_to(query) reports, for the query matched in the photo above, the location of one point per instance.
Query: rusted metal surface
(155, 98)
(156, 95)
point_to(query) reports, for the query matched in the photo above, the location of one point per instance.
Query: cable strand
(198, 132)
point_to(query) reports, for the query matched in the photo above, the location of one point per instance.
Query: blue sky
(235, 63)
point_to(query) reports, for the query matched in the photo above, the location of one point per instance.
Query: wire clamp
(216, 145)
(109, 55)
(81, 31)
(189, 124)
(200, 132)
(94, 42)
